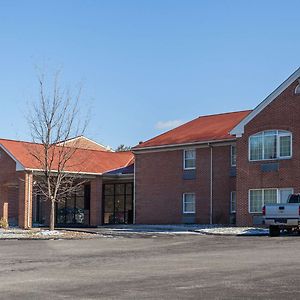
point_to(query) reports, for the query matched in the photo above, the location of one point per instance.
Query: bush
(3, 223)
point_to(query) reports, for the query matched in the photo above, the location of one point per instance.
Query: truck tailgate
(282, 213)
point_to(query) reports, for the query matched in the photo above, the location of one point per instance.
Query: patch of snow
(185, 229)
(234, 231)
(49, 232)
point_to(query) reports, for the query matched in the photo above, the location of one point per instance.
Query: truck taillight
(264, 210)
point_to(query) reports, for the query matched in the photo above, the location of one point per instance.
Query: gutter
(118, 176)
(29, 200)
(70, 172)
(211, 185)
(134, 197)
(165, 147)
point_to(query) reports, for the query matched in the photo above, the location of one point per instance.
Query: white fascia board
(184, 145)
(19, 166)
(238, 130)
(69, 172)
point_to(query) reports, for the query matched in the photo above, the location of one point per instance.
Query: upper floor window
(233, 155)
(271, 144)
(189, 159)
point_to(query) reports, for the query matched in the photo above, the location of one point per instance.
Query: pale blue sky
(146, 64)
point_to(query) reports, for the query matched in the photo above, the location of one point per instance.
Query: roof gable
(83, 142)
(238, 130)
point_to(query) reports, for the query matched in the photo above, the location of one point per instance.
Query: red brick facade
(159, 172)
(96, 202)
(159, 186)
(281, 114)
(9, 184)
(160, 178)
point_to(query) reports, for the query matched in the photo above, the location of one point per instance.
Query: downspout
(134, 192)
(29, 211)
(211, 185)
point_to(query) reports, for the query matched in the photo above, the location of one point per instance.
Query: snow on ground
(234, 231)
(37, 233)
(49, 233)
(116, 231)
(12, 233)
(186, 229)
(16, 233)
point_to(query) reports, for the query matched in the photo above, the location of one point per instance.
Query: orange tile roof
(203, 129)
(82, 161)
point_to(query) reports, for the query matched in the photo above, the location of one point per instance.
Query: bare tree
(53, 119)
(122, 148)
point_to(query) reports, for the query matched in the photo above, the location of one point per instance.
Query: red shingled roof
(82, 161)
(202, 129)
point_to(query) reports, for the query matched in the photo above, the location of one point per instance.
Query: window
(284, 195)
(233, 155)
(233, 202)
(297, 89)
(189, 160)
(271, 144)
(189, 203)
(258, 198)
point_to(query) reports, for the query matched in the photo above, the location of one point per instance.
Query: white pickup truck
(283, 216)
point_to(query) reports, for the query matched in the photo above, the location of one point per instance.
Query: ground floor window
(189, 206)
(75, 209)
(259, 197)
(233, 202)
(72, 210)
(118, 203)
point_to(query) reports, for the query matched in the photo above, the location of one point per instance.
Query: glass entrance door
(118, 203)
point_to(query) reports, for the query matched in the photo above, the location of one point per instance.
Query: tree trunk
(52, 215)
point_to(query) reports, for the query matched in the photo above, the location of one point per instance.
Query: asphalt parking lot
(162, 267)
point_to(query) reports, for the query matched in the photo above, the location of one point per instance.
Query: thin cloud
(168, 124)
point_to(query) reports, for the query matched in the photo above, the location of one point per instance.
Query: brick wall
(283, 114)
(25, 200)
(96, 202)
(159, 186)
(9, 187)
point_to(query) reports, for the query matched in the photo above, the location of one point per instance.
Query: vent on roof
(297, 89)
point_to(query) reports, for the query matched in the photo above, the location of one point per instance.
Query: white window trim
(183, 202)
(232, 164)
(263, 191)
(231, 210)
(190, 168)
(288, 133)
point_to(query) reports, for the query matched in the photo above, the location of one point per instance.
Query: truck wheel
(274, 231)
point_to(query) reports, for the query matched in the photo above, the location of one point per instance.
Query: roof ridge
(226, 113)
(19, 141)
(32, 143)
